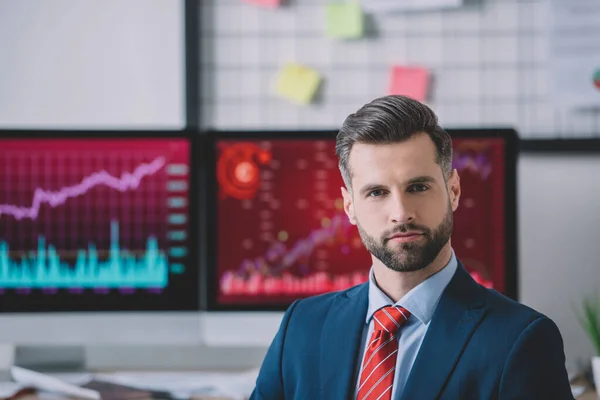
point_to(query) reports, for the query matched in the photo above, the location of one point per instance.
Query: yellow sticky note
(410, 81)
(344, 20)
(297, 83)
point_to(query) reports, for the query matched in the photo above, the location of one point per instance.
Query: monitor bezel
(210, 221)
(190, 298)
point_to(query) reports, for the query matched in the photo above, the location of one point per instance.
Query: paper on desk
(9, 389)
(577, 390)
(234, 385)
(50, 384)
(408, 5)
(73, 378)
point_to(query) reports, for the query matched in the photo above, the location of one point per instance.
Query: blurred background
(183, 147)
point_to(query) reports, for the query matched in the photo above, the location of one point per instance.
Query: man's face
(400, 202)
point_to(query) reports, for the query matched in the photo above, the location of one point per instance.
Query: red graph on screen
(288, 236)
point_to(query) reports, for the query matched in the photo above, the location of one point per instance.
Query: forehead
(413, 157)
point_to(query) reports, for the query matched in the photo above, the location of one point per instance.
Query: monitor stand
(51, 358)
(7, 356)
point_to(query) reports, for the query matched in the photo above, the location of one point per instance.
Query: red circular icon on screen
(238, 171)
(245, 172)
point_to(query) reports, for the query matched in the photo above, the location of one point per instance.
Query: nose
(401, 210)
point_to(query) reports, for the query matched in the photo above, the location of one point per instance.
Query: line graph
(93, 222)
(278, 257)
(127, 181)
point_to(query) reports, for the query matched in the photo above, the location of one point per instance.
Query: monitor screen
(282, 234)
(95, 221)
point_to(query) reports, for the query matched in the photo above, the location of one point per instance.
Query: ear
(348, 205)
(454, 189)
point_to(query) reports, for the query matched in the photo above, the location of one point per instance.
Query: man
(421, 327)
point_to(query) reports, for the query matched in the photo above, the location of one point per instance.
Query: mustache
(403, 228)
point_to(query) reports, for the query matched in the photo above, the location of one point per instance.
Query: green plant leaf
(589, 319)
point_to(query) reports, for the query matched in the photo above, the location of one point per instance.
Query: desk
(193, 398)
(123, 385)
(589, 394)
(35, 397)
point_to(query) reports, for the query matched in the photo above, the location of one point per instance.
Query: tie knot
(390, 318)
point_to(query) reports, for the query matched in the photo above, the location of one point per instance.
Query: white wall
(559, 231)
(92, 64)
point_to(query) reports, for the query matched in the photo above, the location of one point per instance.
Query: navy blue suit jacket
(480, 345)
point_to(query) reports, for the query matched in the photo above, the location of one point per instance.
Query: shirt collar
(421, 301)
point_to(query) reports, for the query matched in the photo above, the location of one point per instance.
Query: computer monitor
(485, 223)
(281, 232)
(98, 237)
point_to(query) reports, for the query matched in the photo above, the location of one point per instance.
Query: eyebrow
(370, 187)
(419, 179)
(422, 179)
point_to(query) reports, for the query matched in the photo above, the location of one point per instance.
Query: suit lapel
(460, 310)
(340, 342)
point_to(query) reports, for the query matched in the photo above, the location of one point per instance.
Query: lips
(405, 235)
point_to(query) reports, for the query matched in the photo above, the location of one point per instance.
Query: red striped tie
(377, 374)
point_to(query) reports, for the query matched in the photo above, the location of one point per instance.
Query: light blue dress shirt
(421, 302)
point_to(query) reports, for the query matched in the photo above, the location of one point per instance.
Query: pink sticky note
(264, 3)
(410, 81)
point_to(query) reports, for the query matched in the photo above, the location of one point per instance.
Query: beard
(413, 256)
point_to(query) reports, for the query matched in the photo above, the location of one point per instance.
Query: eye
(418, 188)
(375, 193)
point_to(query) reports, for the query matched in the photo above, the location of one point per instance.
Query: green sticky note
(344, 20)
(297, 83)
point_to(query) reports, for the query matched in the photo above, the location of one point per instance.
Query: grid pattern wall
(489, 64)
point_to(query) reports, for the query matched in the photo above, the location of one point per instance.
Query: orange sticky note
(410, 81)
(264, 3)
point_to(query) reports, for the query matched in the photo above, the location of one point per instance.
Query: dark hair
(391, 119)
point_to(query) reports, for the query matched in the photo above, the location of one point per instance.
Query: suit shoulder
(503, 307)
(323, 302)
